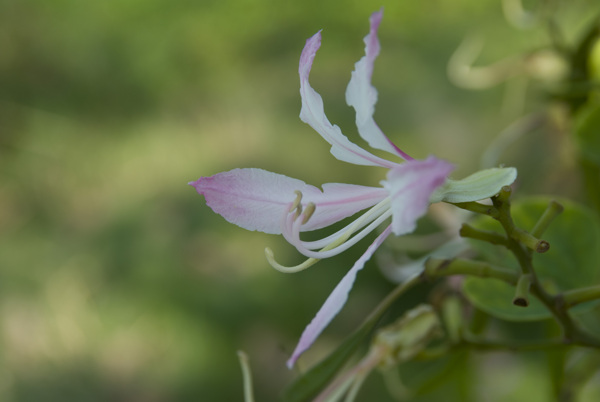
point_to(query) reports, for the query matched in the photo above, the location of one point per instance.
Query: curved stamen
(335, 243)
(288, 270)
(340, 245)
(297, 204)
(373, 213)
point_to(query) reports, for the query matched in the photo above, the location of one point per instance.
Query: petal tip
(291, 361)
(308, 54)
(376, 17)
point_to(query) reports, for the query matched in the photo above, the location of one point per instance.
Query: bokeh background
(117, 283)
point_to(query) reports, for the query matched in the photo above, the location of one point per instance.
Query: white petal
(312, 113)
(335, 301)
(362, 96)
(256, 199)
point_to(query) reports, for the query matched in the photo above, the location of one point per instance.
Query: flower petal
(411, 186)
(312, 113)
(256, 199)
(478, 186)
(362, 96)
(335, 301)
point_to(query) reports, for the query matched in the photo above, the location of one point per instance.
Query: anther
(297, 202)
(308, 212)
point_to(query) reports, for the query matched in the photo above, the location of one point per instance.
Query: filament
(288, 270)
(356, 225)
(341, 244)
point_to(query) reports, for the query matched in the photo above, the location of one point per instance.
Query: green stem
(532, 243)
(574, 297)
(437, 267)
(477, 208)
(391, 297)
(552, 211)
(247, 376)
(521, 298)
(555, 304)
(488, 345)
(483, 235)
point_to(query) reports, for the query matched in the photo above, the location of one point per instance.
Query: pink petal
(256, 199)
(362, 96)
(334, 302)
(411, 186)
(312, 113)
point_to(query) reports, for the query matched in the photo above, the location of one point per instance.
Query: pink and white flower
(256, 199)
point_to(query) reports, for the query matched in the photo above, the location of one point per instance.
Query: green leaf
(571, 262)
(308, 386)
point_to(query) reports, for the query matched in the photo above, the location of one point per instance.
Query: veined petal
(411, 186)
(256, 199)
(478, 186)
(312, 113)
(362, 96)
(335, 301)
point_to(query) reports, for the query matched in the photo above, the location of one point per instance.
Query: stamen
(288, 270)
(342, 243)
(330, 245)
(308, 212)
(297, 202)
(375, 212)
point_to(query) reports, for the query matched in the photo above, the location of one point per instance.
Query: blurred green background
(117, 283)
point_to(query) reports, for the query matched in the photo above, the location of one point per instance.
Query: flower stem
(532, 243)
(577, 296)
(488, 345)
(391, 297)
(437, 267)
(247, 375)
(551, 212)
(476, 207)
(483, 235)
(572, 333)
(521, 298)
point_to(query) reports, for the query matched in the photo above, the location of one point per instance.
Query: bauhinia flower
(256, 199)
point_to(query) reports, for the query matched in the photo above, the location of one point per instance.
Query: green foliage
(587, 133)
(570, 263)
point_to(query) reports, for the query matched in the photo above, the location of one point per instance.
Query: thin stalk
(483, 235)
(521, 298)
(437, 267)
(574, 297)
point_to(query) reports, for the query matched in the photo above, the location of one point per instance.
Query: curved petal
(312, 113)
(362, 96)
(411, 186)
(335, 301)
(256, 199)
